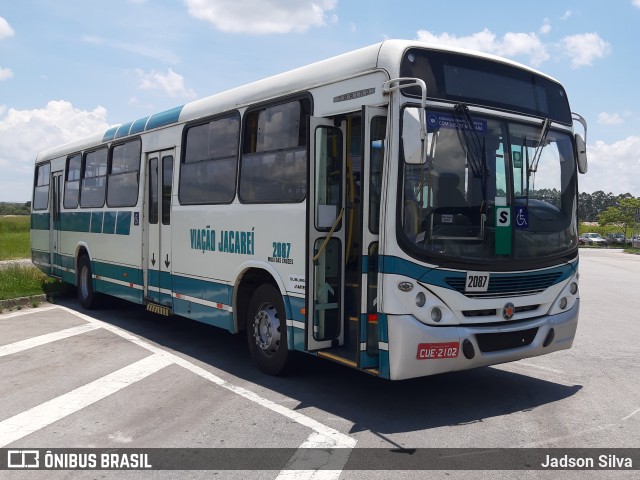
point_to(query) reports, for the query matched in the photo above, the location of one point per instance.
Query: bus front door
(157, 248)
(326, 236)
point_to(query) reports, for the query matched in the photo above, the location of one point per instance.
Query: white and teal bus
(404, 209)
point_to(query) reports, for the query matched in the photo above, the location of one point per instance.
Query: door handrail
(328, 237)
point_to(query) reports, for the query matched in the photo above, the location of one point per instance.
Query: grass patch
(14, 238)
(19, 281)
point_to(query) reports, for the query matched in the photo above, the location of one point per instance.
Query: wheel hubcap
(266, 329)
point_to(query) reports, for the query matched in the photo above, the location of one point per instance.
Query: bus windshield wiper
(474, 148)
(538, 153)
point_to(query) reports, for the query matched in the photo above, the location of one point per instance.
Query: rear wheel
(86, 295)
(267, 330)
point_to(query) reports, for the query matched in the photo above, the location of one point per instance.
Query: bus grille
(495, 342)
(508, 285)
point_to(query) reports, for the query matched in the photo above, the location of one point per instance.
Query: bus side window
(93, 184)
(41, 188)
(208, 167)
(124, 175)
(72, 181)
(273, 165)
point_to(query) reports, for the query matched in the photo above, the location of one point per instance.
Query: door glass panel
(167, 176)
(378, 133)
(153, 191)
(328, 187)
(328, 288)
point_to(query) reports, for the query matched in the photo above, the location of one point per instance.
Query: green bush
(22, 281)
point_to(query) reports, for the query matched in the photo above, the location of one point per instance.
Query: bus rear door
(157, 247)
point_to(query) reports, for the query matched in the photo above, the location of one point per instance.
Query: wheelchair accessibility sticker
(521, 218)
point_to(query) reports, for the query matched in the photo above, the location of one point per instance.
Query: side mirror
(581, 146)
(414, 138)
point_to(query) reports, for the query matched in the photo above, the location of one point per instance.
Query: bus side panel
(211, 242)
(113, 241)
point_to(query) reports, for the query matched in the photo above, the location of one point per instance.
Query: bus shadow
(370, 403)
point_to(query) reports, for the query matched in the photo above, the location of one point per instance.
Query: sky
(73, 68)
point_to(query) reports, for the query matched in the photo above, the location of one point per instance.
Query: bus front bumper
(417, 350)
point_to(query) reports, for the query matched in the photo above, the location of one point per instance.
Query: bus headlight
(436, 314)
(421, 299)
(563, 303)
(573, 288)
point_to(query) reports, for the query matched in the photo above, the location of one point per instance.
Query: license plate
(477, 282)
(434, 351)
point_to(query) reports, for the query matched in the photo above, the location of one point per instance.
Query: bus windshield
(491, 191)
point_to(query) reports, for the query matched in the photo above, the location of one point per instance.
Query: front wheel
(267, 330)
(86, 295)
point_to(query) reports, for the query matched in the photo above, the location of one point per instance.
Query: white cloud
(5, 73)
(170, 83)
(510, 45)
(605, 118)
(263, 16)
(566, 15)
(546, 27)
(5, 29)
(636, 3)
(24, 133)
(613, 167)
(584, 48)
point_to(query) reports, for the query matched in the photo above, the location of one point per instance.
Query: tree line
(7, 208)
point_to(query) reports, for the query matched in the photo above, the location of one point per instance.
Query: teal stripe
(164, 118)
(433, 276)
(109, 134)
(123, 223)
(295, 304)
(118, 272)
(383, 331)
(40, 221)
(96, 222)
(75, 221)
(123, 130)
(204, 314)
(109, 222)
(159, 279)
(120, 291)
(203, 289)
(138, 126)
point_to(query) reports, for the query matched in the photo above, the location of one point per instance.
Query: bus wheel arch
(261, 312)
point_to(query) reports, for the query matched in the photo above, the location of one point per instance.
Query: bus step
(336, 358)
(159, 309)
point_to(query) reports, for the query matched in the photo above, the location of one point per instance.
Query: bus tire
(86, 295)
(267, 330)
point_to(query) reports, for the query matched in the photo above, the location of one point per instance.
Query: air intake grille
(508, 285)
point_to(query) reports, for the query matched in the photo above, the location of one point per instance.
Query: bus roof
(383, 56)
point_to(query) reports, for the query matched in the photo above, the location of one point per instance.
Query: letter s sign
(504, 216)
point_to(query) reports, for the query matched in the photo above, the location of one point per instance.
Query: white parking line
(322, 436)
(631, 415)
(44, 339)
(45, 414)
(26, 312)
